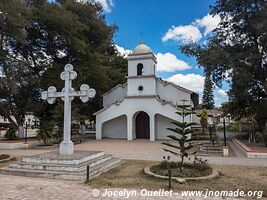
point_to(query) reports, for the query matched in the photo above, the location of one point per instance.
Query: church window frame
(140, 69)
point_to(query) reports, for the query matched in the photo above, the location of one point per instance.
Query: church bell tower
(141, 80)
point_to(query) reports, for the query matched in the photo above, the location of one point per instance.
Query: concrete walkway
(137, 149)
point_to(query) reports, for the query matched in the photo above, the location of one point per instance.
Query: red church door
(142, 125)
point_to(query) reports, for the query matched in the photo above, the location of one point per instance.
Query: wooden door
(142, 125)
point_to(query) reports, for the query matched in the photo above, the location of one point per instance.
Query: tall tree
(38, 38)
(18, 88)
(208, 97)
(237, 53)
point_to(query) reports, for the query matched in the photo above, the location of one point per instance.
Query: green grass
(130, 174)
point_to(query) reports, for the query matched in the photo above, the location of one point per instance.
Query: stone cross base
(68, 167)
(66, 148)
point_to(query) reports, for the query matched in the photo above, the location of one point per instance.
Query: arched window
(140, 69)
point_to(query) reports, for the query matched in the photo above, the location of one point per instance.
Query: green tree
(208, 97)
(37, 38)
(182, 132)
(204, 120)
(18, 78)
(236, 52)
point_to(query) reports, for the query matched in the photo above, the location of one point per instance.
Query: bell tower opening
(140, 69)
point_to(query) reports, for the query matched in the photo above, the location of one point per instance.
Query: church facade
(145, 105)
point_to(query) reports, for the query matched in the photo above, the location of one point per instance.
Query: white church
(145, 105)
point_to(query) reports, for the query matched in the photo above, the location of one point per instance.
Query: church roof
(157, 97)
(142, 48)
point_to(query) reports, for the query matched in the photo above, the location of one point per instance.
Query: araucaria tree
(181, 134)
(208, 97)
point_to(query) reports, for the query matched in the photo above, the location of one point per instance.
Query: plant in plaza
(181, 135)
(197, 168)
(204, 120)
(46, 131)
(264, 135)
(11, 132)
(4, 156)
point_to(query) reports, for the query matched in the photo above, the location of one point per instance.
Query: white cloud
(222, 93)
(194, 82)
(106, 4)
(183, 33)
(191, 32)
(209, 23)
(168, 62)
(123, 52)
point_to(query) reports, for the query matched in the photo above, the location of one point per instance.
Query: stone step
(211, 148)
(212, 151)
(103, 168)
(60, 167)
(55, 158)
(81, 175)
(209, 154)
(209, 145)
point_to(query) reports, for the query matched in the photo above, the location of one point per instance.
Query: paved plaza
(138, 150)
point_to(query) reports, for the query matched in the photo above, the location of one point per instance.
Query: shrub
(265, 138)
(198, 168)
(4, 156)
(46, 131)
(11, 132)
(233, 127)
(204, 120)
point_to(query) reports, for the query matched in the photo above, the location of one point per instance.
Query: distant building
(30, 119)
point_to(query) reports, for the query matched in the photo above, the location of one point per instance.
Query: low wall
(19, 145)
(248, 152)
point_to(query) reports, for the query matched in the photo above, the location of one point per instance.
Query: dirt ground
(130, 175)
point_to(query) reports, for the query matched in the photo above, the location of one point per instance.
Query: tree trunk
(82, 128)
(20, 131)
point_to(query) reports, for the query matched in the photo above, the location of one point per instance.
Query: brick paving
(25, 188)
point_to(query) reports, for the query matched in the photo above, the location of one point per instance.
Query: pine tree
(208, 97)
(183, 131)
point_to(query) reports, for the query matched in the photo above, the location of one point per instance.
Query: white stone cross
(67, 94)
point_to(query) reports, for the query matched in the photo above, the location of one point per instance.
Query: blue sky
(164, 25)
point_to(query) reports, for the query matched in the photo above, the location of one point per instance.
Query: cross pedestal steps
(69, 167)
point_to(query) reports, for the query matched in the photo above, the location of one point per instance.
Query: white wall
(148, 83)
(148, 64)
(162, 123)
(115, 128)
(170, 93)
(116, 94)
